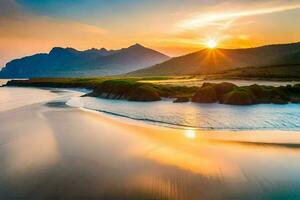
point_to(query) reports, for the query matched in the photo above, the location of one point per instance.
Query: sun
(211, 44)
(190, 134)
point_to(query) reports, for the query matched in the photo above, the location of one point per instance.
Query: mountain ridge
(70, 62)
(208, 61)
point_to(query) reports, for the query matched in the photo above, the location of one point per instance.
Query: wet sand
(49, 151)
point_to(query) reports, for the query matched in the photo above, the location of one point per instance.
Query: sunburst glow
(189, 133)
(212, 44)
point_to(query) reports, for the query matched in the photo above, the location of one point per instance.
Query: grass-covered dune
(129, 90)
(134, 89)
(228, 93)
(137, 91)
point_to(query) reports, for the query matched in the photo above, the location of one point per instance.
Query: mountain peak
(59, 50)
(94, 50)
(103, 49)
(137, 45)
(55, 49)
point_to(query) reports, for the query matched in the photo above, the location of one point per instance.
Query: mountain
(208, 61)
(69, 62)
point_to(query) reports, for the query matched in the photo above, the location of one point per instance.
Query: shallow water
(202, 116)
(15, 97)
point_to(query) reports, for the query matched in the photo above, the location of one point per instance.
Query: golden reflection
(184, 149)
(162, 186)
(209, 154)
(33, 152)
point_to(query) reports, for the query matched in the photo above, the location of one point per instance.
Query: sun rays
(211, 43)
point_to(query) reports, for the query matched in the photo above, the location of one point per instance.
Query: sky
(174, 27)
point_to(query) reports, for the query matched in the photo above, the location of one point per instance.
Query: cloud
(216, 17)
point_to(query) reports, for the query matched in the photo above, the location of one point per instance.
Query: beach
(52, 151)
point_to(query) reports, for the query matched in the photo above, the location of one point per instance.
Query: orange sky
(173, 27)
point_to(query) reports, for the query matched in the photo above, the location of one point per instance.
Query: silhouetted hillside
(209, 61)
(69, 62)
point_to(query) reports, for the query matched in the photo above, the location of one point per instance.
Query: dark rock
(223, 88)
(296, 88)
(261, 94)
(279, 100)
(205, 94)
(122, 89)
(269, 94)
(212, 92)
(238, 97)
(144, 93)
(295, 100)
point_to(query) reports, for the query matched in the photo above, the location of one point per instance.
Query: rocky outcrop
(212, 92)
(238, 97)
(206, 94)
(128, 90)
(228, 93)
(295, 100)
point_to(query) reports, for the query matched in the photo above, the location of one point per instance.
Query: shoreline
(25, 96)
(249, 136)
(78, 91)
(176, 126)
(208, 133)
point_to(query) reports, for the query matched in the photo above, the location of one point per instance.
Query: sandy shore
(49, 151)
